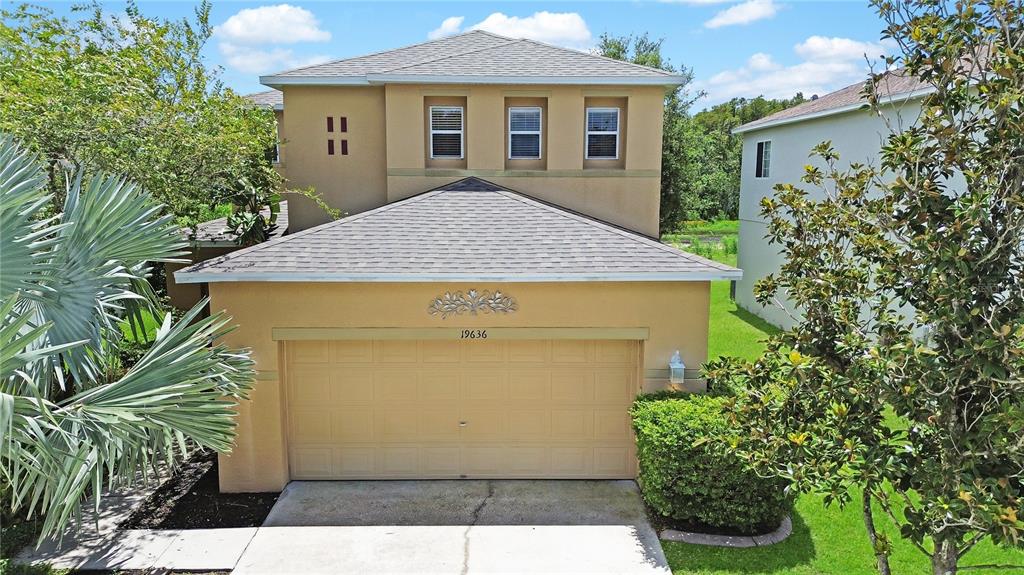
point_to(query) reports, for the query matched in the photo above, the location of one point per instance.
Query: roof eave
(184, 276)
(906, 96)
(376, 79)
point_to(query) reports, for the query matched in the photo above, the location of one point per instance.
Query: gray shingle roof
(469, 230)
(893, 84)
(270, 99)
(476, 56)
(216, 232)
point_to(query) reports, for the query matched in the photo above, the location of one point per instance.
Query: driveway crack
(474, 519)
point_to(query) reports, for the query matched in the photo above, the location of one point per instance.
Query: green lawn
(825, 540)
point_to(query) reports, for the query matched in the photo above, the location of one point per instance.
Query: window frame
(759, 147)
(461, 132)
(539, 132)
(588, 131)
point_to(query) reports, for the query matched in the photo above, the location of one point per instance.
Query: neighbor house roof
(893, 86)
(270, 99)
(476, 57)
(470, 230)
(215, 233)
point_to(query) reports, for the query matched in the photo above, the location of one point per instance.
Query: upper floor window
(446, 132)
(524, 133)
(602, 134)
(764, 159)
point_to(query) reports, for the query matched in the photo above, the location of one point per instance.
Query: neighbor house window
(524, 133)
(764, 159)
(602, 134)
(446, 132)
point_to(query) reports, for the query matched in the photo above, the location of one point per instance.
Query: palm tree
(68, 429)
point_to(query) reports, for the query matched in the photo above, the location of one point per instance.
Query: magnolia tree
(904, 373)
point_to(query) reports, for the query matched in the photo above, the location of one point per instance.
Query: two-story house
(776, 149)
(495, 297)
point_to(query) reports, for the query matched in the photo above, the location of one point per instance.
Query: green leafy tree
(904, 375)
(131, 95)
(72, 422)
(700, 165)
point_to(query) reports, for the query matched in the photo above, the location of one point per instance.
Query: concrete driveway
(466, 526)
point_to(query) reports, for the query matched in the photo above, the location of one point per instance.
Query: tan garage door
(448, 409)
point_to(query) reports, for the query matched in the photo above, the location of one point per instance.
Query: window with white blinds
(446, 131)
(602, 134)
(524, 133)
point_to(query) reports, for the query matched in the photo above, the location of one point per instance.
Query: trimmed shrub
(688, 475)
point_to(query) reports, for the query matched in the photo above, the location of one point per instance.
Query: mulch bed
(661, 523)
(191, 499)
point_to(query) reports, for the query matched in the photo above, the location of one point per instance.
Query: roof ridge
(635, 65)
(606, 226)
(379, 52)
(445, 57)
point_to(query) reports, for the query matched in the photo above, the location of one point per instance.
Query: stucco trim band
(586, 173)
(435, 333)
(377, 79)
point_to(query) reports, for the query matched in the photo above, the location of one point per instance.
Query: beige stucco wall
(676, 314)
(352, 183)
(388, 151)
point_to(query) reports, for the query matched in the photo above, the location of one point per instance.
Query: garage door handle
(462, 424)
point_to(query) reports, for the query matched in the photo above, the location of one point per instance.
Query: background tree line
(700, 166)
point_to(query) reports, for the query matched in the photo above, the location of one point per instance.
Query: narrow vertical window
(344, 147)
(602, 134)
(343, 124)
(524, 133)
(763, 160)
(330, 147)
(446, 123)
(330, 123)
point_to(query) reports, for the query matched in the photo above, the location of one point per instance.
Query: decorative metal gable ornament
(471, 302)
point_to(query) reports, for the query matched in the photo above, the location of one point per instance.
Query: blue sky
(735, 48)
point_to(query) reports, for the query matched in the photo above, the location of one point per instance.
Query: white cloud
(249, 40)
(826, 64)
(255, 60)
(278, 24)
(449, 27)
(745, 13)
(560, 28)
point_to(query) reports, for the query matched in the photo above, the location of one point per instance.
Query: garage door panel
(529, 351)
(440, 351)
(350, 385)
(569, 351)
(391, 409)
(351, 351)
(529, 384)
(316, 386)
(571, 386)
(396, 384)
(485, 384)
(440, 385)
(355, 462)
(395, 351)
(529, 425)
(353, 425)
(307, 352)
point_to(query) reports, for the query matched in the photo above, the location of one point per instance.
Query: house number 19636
(474, 334)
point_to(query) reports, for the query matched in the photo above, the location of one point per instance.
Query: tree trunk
(945, 557)
(881, 554)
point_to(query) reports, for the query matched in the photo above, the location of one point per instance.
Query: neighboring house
(776, 149)
(274, 100)
(496, 297)
(211, 239)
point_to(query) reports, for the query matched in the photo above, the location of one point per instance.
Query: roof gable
(471, 230)
(475, 56)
